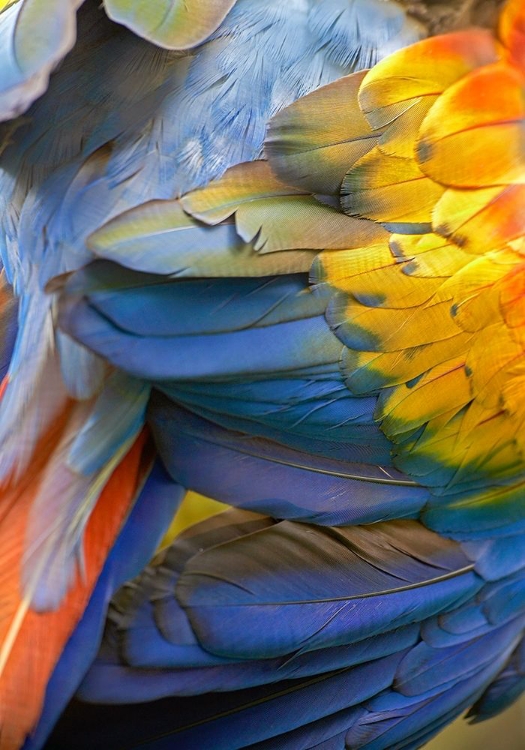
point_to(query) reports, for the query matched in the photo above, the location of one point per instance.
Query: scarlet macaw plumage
(312, 298)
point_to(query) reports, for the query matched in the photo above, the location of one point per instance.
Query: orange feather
(31, 643)
(512, 31)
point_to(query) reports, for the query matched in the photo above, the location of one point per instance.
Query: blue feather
(508, 685)
(426, 669)
(352, 34)
(257, 351)
(216, 305)
(392, 724)
(111, 680)
(338, 427)
(217, 721)
(276, 608)
(135, 545)
(497, 558)
(270, 478)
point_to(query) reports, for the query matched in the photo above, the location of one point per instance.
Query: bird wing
(122, 123)
(423, 305)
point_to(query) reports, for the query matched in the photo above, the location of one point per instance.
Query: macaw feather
(305, 407)
(164, 358)
(404, 720)
(310, 142)
(387, 92)
(352, 34)
(383, 329)
(155, 505)
(400, 133)
(427, 668)
(147, 608)
(356, 420)
(115, 679)
(114, 419)
(34, 36)
(512, 30)
(372, 371)
(273, 216)
(188, 442)
(82, 372)
(389, 189)
(149, 612)
(8, 326)
(418, 314)
(70, 487)
(481, 220)
(34, 394)
(459, 123)
(149, 239)
(307, 705)
(347, 272)
(241, 184)
(504, 690)
(497, 558)
(174, 24)
(46, 633)
(428, 255)
(446, 386)
(322, 613)
(476, 514)
(227, 305)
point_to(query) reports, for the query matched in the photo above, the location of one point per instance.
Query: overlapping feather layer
(406, 405)
(387, 389)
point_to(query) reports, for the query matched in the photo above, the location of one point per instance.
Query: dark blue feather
(508, 685)
(426, 669)
(112, 680)
(232, 720)
(269, 478)
(276, 605)
(148, 628)
(396, 722)
(221, 321)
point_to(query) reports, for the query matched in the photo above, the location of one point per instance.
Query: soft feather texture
(366, 492)
(156, 621)
(32, 642)
(158, 237)
(121, 124)
(174, 24)
(143, 528)
(403, 300)
(392, 309)
(8, 325)
(34, 37)
(258, 382)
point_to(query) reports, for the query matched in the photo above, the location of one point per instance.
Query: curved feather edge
(151, 514)
(173, 24)
(31, 642)
(25, 78)
(195, 450)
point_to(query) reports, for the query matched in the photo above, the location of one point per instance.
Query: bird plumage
(346, 374)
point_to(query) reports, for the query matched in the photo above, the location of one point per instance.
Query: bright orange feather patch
(32, 642)
(512, 31)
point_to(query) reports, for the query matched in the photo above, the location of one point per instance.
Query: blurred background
(504, 732)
